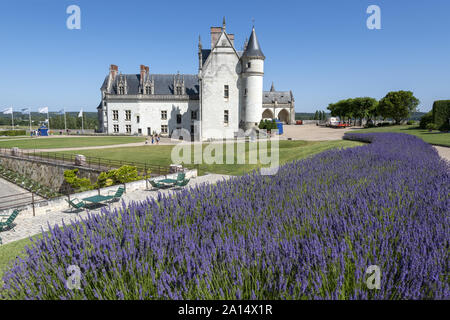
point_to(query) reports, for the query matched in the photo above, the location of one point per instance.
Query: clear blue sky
(321, 50)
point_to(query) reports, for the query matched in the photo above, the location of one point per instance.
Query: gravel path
(444, 152)
(311, 132)
(28, 226)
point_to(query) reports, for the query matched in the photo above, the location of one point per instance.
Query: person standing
(153, 139)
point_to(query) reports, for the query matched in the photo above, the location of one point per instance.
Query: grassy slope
(74, 142)
(435, 137)
(161, 155)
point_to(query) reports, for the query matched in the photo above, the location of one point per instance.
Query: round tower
(252, 76)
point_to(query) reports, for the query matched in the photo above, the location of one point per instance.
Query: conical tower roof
(253, 49)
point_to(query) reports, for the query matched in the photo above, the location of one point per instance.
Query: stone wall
(46, 173)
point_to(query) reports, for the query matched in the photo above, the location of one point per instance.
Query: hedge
(441, 114)
(426, 119)
(13, 133)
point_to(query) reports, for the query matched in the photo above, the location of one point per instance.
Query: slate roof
(205, 55)
(253, 48)
(269, 97)
(163, 83)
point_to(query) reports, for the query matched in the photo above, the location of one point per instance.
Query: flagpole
(82, 123)
(65, 123)
(48, 117)
(12, 117)
(29, 115)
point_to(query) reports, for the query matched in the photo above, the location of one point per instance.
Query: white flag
(43, 110)
(8, 111)
(80, 114)
(26, 111)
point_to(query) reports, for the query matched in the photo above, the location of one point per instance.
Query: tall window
(116, 128)
(138, 119)
(245, 92)
(127, 115)
(194, 115)
(121, 90)
(116, 115)
(148, 90)
(178, 118)
(164, 128)
(226, 117)
(226, 92)
(128, 128)
(164, 115)
(179, 90)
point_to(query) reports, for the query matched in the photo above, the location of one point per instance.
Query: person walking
(157, 139)
(153, 139)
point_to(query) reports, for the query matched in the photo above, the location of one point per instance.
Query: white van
(333, 122)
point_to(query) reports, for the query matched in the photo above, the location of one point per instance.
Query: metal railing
(94, 163)
(20, 200)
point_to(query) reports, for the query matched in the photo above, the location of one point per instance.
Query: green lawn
(9, 251)
(435, 137)
(65, 142)
(161, 155)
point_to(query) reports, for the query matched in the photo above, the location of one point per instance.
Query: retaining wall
(60, 204)
(46, 173)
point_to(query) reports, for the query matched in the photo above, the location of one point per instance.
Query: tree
(398, 105)
(363, 107)
(341, 109)
(316, 115)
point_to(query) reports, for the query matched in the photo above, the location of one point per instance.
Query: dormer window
(148, 90)
(179, 90)
(121, 89)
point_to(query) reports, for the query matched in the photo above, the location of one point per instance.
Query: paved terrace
(27, 226)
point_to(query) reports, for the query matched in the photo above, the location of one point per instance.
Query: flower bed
(27, 183)
(309, 232)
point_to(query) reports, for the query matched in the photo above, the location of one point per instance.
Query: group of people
(155, 138)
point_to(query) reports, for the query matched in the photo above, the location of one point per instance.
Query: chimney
(142, 73)
(147, 70)
(215, 33)
(113, 70)
(231, 36)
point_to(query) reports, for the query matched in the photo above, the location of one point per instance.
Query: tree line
(396, 105)
(90, 120)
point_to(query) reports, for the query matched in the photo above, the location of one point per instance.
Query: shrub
(410, 122)
(308, 232)
(115, 176)
(441, 113)
(426, 119)
(12, 132)
(78, 184)
(262, 124)
(431, 126)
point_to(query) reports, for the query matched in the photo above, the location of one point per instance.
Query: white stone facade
(226, 95)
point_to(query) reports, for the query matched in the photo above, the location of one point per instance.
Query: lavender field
(309, 232)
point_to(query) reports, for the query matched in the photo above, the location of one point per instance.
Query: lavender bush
(310, 232)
